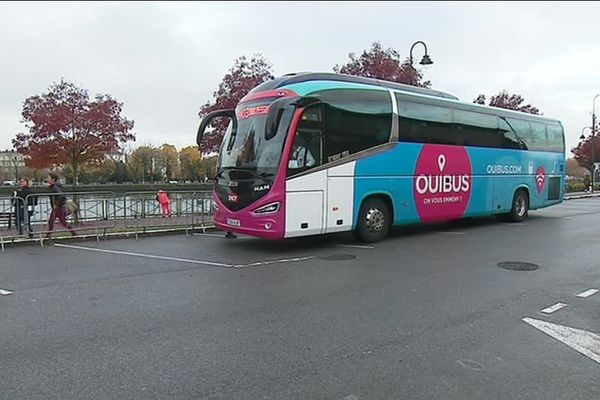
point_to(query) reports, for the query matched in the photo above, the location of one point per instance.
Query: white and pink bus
(309, 154)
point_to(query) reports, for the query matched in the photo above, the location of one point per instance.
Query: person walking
(165, 203)
(24, 205)
(57, 203)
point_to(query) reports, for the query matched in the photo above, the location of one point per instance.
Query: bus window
(522, 129)
(307, 147)
(510, 140)
(424, 123)
(355, 120)
(556, 140)
(476, 129)
(538, 138)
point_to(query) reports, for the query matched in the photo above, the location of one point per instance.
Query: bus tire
(374, 220)
(520, 206)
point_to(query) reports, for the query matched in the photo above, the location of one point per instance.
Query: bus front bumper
(247, 224)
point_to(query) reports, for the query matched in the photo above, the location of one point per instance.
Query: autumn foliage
(583, 152)
(380, 63)
(67, 128)
(509, 102)
(237, 82)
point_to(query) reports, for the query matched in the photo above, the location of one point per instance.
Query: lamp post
(582, 137)
(594, 140)
(425, 60)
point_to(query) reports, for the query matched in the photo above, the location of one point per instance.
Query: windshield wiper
(265, 174)
(262, 175)
(233, 169)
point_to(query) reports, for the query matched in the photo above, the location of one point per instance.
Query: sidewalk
(124, 226)
(581, 195)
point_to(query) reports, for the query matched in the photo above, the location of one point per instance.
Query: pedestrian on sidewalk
(57, 203)
(165, 203)
(586, 183)
(24, 205)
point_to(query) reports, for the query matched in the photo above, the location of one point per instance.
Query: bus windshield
(244, 145)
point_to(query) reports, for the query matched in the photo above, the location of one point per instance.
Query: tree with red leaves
(383, 64)
(237, 82)
(583, 152)
(66, 128)
(508, 101)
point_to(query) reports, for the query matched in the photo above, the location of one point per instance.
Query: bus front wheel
(520, 207)
(374, 220)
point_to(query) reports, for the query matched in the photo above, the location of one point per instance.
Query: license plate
(233, 222)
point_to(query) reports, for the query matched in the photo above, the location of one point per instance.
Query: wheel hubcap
(375, 220)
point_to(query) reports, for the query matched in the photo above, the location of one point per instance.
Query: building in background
(11, 165)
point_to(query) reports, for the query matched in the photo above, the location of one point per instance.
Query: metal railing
(72, 212)
(203, 209)
(13, 220)
(144, 211)
(101, 212)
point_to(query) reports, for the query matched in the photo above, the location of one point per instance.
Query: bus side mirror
(207, 119)
(276, 111)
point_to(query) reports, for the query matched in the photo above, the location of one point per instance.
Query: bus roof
(289, 79)
(431, 96)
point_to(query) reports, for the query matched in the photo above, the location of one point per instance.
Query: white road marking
(280, 261)
(588, 293)
(127, 253)
(217, 236)
(587, 343)
(187, 260)
(355, 246)
(515, 223)
(4, 292)
(567, 217)
(471, 364)
(451, 233)
(553, 308)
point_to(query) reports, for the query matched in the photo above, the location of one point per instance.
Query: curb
(583, 196)
(19, 241)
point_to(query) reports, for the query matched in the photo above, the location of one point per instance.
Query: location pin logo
(441, 162)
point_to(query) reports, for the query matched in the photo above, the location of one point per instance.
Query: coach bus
(316, 153)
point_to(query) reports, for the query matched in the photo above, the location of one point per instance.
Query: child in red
(165, 203)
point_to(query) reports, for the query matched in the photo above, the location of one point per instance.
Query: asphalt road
(427, 314)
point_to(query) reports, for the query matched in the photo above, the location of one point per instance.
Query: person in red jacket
(165, 203)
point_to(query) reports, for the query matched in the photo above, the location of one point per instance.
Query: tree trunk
(75, 168)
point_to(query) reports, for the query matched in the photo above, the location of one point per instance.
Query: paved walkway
(581, 195)
(122, 225)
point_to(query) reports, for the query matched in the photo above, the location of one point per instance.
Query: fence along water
(104, 211)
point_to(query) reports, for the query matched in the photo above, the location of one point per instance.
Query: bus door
(306, 190)
(340, 198)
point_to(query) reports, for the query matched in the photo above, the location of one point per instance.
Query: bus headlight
(270, 208)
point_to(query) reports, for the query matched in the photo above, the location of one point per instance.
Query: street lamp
(594, 140)
(582, 137)
(425, 60)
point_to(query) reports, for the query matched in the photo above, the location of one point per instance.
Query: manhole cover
(518, 266)
(337, 257)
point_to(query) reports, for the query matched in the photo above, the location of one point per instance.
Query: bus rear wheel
(520, 207)
(374, 220)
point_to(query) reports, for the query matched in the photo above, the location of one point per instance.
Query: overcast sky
(163, 60)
